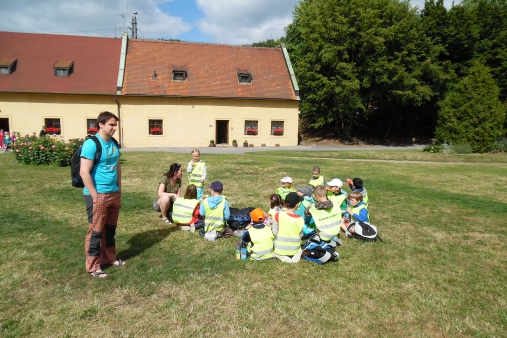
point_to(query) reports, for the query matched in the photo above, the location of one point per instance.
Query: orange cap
(257, 215)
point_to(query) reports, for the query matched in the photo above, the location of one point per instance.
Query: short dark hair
(104, 117)
(316, 169)
(358, 183)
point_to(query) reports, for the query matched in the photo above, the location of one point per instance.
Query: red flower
(52, 130)
(278, 131)
(156, 130)
(92, 130)
(251, 131)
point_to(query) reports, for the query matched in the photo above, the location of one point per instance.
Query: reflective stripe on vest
(196, 175)
(327, 221)
(183, 210)
(283, 191)
(357, 210)
(262, 240)
(288, 242)
(316, 181)
(214, 218)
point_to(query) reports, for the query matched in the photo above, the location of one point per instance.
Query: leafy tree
(362, 63)
(471, 112)
(269, 43)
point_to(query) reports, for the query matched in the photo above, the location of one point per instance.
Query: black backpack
(365, 232)
(239, 218)
(75, 164)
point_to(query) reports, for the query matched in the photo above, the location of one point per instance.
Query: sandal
(166, 221)
(98, 274)
(119, 262)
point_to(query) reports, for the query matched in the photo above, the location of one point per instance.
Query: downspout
(119, 83)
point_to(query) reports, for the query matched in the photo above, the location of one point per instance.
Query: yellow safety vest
(196, 175)
(316, 181)
(365, 199)
(183, 210)
(283, 191)
(337, 199)
(287, 241)
(214, 218)
(357, 210)
(327, 221)
(262, 240)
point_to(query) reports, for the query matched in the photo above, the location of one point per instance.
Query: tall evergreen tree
(472, 112)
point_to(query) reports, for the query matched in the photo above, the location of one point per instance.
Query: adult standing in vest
(102, 194)
(196, 169)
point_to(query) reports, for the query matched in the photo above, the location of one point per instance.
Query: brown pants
(100, 246)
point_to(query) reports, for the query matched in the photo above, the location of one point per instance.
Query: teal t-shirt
(104, 173)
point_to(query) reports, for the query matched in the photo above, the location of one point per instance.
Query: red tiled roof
(211, 70)
(96, 63)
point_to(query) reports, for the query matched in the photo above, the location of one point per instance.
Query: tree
(269, 43)
(472, 112)
(360, 62)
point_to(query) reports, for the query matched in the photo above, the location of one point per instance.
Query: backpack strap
(98, 152)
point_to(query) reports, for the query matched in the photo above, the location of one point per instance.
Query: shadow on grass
(143, 241)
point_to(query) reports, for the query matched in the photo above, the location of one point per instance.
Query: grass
(441, 272)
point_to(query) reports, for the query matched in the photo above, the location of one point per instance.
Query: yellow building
(167, 94)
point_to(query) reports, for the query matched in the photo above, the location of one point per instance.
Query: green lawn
(441, 272)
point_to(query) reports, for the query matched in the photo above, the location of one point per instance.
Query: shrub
(463, 148)
(45, 150)
(472, 112)
(500, 146)
(433, 149)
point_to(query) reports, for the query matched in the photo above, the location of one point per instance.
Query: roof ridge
(202, 43)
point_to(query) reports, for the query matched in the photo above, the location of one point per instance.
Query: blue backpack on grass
(317, 251)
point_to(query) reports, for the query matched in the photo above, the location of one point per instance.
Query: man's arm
(118, 175)
(85, 173)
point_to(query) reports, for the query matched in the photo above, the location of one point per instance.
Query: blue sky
(217, 21)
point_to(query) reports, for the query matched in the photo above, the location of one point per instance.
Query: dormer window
(179, 75)
(244, 76)
(63, 68)
(7, 66)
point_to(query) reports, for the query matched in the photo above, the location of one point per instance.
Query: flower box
(156, 131)
(52, 130)
(251, 131)
(92, 130)
(278, 131)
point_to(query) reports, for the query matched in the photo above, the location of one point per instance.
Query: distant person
(102, 194)
(197, 171)
(317, 178)
(169, 188)
(42, 132)
(2, 145)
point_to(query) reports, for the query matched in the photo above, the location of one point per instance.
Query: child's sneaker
(202, 232)
(348, 234)
(238, 233)
(192, 227)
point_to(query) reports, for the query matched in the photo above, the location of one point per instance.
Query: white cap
(335, 182)
(286, 179)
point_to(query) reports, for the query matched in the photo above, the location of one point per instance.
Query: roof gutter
(291, 71)
(119, 83)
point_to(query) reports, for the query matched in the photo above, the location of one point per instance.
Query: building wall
(26, 112)
(186, 122)
(192, 122)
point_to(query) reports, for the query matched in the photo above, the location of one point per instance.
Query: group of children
(294, 215)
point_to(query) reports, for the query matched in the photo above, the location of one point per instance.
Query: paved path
(241, 150)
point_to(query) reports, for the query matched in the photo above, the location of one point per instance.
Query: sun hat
(335, 182)
(257, 215)
(286, 179)
(216, 186)
(292, 199)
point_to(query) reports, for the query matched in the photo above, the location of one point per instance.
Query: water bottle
(244, 254)
(238, 254)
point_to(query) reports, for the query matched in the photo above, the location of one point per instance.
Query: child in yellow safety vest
(288, 230)
(257, 237)
(186, 213)
(317, 178)
(196, 169)
(286, 188)
(337, 195)
(326, 215)
(276, 204)
(358, 213)
(215, 210)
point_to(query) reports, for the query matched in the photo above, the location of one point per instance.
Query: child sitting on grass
(326, 215)
(306, 191)
(288, 230)
(358, 213)
(317, 178)
(285, 188)
(257, 237)
(276, 204)
(186, 210)
(337, 196)
(215, 210)
(357, 185)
